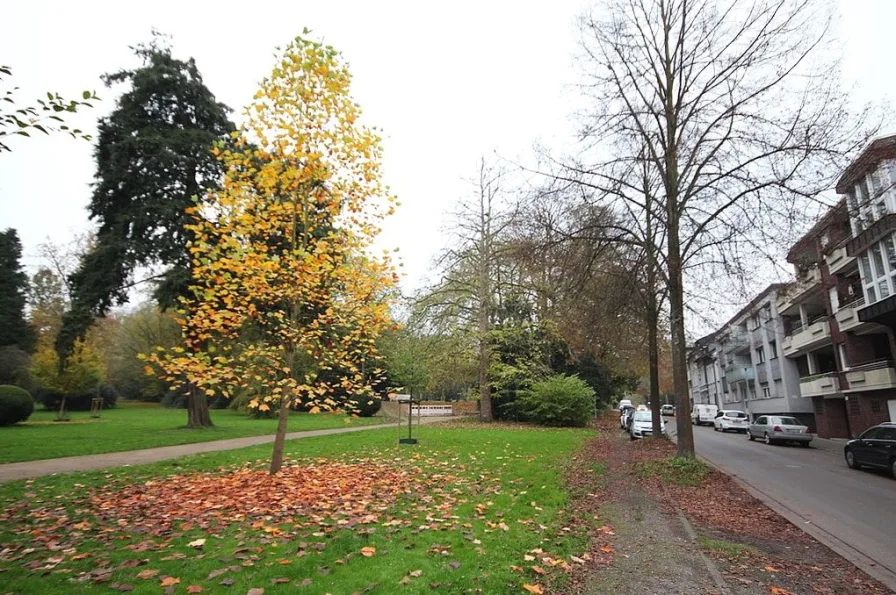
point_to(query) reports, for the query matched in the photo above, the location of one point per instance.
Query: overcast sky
(446, 82)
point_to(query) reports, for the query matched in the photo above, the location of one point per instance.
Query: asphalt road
(855, 510)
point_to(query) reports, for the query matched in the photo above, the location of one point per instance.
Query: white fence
(433, 410)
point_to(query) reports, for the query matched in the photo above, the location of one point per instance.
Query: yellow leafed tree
(288, 298)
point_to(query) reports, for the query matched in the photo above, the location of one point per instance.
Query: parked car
(731, 419)
(876, 447)
(623, 404)
(703, 414)
(642, 425)
(667, 410)
(627, 410)
(774, 429)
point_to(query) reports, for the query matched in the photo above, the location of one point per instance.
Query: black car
(876, 447)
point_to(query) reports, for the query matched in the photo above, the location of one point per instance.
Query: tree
(14, 329)
(45, 116)
(735, 105)
(285, 289)
(154, 159)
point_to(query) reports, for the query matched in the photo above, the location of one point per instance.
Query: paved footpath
(31, 469)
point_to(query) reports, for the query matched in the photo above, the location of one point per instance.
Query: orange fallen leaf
(147, 574)
(533, 589)
(285, 561)
(607, 549)
(368, 552)
(538, 569)
(170, 581)
(415, 573)
(194, 589)
(779, 591)
(771, 569)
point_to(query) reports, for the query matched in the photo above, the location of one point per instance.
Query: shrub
(16, 404)
(558, 401)
(363, 406)
(79, 401)
(678, 470)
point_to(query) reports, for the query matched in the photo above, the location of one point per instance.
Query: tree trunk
(679, 351)
(280, 437)
(485, 390)
(197, 409)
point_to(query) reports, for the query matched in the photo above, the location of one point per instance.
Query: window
(835, 300)
(766, 393)
(878, 270)
(843, 361)
(875, 406)
(772, 349)
(761, 421)
(754, 322)
(887, 434)
(760, 355)
(871, 433)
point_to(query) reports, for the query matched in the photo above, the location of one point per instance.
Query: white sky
(446, 82)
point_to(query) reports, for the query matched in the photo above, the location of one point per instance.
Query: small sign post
(410, 400)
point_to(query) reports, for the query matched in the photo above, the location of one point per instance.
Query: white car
(667, 410)
(623, 404)
(642, 425)
(703, 414)
(731, 419)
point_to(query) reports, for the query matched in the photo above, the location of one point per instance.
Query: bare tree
(735, 104)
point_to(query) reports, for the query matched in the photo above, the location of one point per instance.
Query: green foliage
(45, 117)
(682, 471)
(79, 401)
(14, 329)
(14, 367)
(558, 401)
(82, 374)
(16, 405)
(363, 406)
(153, 159)
(139, 331)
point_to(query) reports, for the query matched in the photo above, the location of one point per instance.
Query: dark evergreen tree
(153, 161)
(14, 329)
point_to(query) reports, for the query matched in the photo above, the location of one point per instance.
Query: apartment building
(740, 366)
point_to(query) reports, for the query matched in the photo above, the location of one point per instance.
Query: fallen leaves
(197, 544)
(147, 574)
(533, 589)
(169, 581)
(368, 552)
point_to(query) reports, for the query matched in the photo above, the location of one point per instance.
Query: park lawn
(489, 506)
(132, 426)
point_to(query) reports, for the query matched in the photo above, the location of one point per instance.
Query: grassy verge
(677, 470)
(487, 512)
(134, 426)
(726, 548)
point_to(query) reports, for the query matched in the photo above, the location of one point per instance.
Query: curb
(869, 565)
(710, 565)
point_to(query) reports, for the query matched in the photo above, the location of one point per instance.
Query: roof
(834, 214)
(759, 297)
(878, 150)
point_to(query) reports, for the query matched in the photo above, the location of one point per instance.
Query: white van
(624, 403)
(703, 414)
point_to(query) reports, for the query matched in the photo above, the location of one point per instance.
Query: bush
(80, 401)
(363, 406)
(558, 401)
(16, 404)
(677, 470)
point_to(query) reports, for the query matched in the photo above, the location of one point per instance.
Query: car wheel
(851, 461)
(750, 436)
(767, 439)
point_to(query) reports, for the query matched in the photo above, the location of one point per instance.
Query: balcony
(848, 315)
(795, 292)
(838, 260)
(739, 373)
(806, 338)
(820, 385)
(876, 375)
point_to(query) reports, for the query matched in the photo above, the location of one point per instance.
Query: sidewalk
(32, 469)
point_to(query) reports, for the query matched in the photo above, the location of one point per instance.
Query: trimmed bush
(81, 401)
(16, 404)
(363, 406)
(558, 401)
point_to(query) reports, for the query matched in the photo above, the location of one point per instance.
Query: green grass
(514, 474)
(133, 426)
(678, 470)
(727, 548)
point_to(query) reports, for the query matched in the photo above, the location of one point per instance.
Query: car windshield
(735, 414)
(789, 421)
(642, 416)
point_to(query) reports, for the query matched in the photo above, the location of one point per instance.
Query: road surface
(853, 512)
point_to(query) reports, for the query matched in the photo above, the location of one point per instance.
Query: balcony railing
(795, 291)
(848, 314)
(739, 373)
(876, 375)
(820, 385)
(806, 338)
(838, 259)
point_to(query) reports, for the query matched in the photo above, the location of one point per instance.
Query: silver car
(774, 429)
